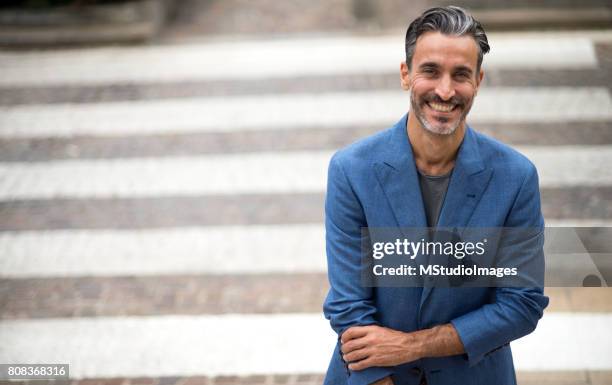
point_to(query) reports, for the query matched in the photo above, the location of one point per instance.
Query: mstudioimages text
(411, 249)
(441, 271)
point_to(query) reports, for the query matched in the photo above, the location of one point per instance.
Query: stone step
(120, 22)
(264, 293)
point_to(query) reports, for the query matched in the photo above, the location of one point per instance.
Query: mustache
(458, 100)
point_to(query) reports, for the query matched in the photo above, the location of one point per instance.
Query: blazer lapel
(468, 182)
(397, 176)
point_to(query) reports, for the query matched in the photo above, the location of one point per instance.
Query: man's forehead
(443, 49)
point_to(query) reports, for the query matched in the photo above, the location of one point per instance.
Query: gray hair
(449, 20)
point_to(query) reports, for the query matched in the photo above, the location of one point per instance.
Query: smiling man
(429, 170)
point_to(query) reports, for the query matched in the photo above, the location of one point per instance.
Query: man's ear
(479, 79)
(404, 76)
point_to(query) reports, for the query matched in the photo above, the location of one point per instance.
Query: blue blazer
(374, 183)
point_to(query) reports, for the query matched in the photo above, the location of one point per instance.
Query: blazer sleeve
(515, 311)
(348, 302)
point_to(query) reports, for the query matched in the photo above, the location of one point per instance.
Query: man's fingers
(357, 343)
(356, 355)
(360, 365)
(354, 332)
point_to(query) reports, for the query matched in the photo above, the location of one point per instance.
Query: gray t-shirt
(433, 190)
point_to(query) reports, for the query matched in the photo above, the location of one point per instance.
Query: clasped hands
(373, 345)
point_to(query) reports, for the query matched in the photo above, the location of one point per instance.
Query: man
(430, 169)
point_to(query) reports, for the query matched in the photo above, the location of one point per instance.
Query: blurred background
(163, 165)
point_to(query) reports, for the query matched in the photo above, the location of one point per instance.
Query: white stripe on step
(586, 343)
(257, 173)
(218, 174)
(255, 344)
(208, 250)
(265, 112)
(289, 248)
(279, 58)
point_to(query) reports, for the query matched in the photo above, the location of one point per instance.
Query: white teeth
(442, 107)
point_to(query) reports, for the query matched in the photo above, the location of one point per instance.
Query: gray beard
(418, 113)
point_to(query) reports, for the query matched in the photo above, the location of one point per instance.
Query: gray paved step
(207, 294)
(237, 16)
(311, 84)
(301, 139)
(122, 22)
(588, 203)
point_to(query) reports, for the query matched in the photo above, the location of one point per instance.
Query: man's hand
(383, 381)
(367, 346)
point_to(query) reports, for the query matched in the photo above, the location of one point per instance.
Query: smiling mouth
(442, 107)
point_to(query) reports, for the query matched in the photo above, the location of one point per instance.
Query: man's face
(443, 81)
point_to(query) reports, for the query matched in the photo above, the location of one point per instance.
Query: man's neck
(434, 154)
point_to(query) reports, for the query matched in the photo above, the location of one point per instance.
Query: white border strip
(256, 344)
(257, 173)
(266, 59)
(286, 112)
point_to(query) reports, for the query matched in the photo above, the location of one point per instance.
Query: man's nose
(445, 89)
